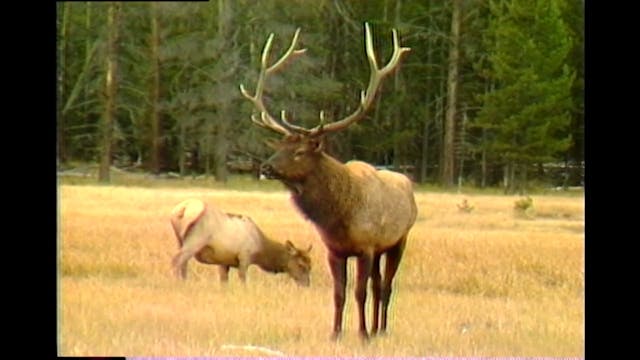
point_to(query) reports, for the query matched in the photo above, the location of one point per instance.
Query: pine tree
(528, 112)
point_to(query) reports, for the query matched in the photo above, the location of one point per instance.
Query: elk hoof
(180, 275)
(364, 337)
(380, 333)
(335, 336)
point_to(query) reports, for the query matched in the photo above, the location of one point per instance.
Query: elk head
(299, 264)
(298, 152)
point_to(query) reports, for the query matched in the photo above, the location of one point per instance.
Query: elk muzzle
(267, 171)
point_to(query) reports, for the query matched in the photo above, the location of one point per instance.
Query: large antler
(375, 79)
(366, 97)
(267, 121)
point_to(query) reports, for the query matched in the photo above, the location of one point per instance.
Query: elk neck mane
(273, 256)
(327, 195)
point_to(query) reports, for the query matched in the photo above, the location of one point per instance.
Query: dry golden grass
(484, 283)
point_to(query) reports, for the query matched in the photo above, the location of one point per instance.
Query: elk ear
(290, 248)
(316, 144)
(273, 144)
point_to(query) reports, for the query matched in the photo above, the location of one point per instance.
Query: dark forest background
(491, 94)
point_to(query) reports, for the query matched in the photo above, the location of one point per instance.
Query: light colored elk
(230, 240)
(357, 210)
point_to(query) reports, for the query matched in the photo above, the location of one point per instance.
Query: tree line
(491, 93)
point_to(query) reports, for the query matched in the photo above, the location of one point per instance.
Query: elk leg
(394, 255)
(365, 262)
(376, 284)
(179, 266)
(243, 265)
(179, 262)
(224, 274)
(338, 267)
(190, 247)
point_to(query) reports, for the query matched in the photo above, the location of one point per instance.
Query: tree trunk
(111, 90)
(206, 147)
(488, 87)
(182, 149)
(424, 162)
(62, 78)
(512, 177)
(90, 48)
(155, 90)
(507, 177)
(375, 151)
(483, 181)
(398, 156)
(523, 179)
(462, 150)
(510, 180)
(440, 112)
(424, 154)
(221, 148)
(452, 95)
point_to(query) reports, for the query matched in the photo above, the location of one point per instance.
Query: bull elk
(231, 240)
(357, 210)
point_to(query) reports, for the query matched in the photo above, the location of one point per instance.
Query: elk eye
(299, 153)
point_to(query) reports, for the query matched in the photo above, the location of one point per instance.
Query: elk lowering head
(298, 264)
(300, 147)
(228, 240)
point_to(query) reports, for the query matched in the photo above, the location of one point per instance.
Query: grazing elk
(230, 240)
(357, 210)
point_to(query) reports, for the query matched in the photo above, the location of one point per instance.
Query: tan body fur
(387, 211)
(229, 240)
(356, 207)
(358, 211)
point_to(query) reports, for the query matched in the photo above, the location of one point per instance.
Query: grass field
(484, 283)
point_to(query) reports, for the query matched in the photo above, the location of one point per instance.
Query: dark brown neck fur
(274, 256)
(327, 195)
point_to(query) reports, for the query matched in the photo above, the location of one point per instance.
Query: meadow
(488, 282)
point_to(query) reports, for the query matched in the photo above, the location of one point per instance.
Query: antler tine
(266, 120)
(375, 78)
(260, 123)
(291, 127)
(289, 53)
(366, 96)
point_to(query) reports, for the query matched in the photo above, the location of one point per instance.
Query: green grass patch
(234, 182)
(243, 182)
(109, 270)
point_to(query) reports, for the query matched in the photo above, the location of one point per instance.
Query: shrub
(524, 207)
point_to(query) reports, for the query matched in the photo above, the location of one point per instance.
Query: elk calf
(231, 240)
